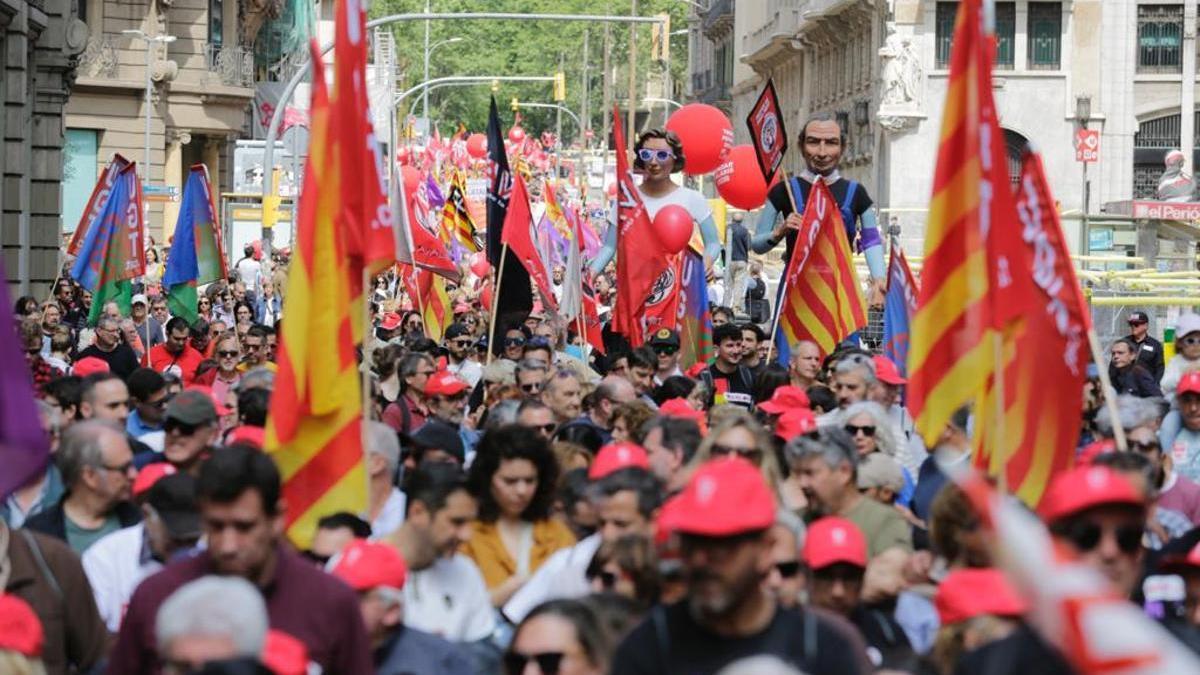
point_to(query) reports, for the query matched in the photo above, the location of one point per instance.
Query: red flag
(517, 236)
(419, 247)
(640, 258)
(767, 132)
(591, 321)
(662, 307)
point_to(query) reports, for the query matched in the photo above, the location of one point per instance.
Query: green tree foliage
(509, 47)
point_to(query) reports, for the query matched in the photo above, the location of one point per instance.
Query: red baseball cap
(444, 383)
(1092, 450)
(725, 497)
(1085, 487)
(887, 372)
(149, 475)
(20, 629)
(616, 456)
(90, 364)
(968, 593)
(785, 398)
(284, 654)
(1189, 383)
(390, 321)
(678, 407)
(365, 565)
(795, 422)
(833, 540)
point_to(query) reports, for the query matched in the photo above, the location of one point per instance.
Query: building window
(216, 23)
(1160, 36)
(1150, 145)
(80, 150)
(1014, 150)
(1006, 32)
(1045, 35)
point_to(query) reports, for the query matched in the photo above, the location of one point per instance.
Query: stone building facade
(881, 65)
(41, 39)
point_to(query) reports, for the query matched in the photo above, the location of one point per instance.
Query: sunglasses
(227, 353)
(461, 343)
(548, 662)
(751, 454)
(514, 342)
(531, 387)
(184, 429)
(788, 570)
(1137, 323)
(665, 350)
(545, 428)
(1086, 535)
(646, 155)
(868, 430)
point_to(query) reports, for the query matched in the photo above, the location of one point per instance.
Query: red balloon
(706, 135)
(477, 145)
(485, 297)
(611, 189)
(404, 155)
(480, 266)
(673, 225)
(739, 179)
(412, 178)
(516, 134)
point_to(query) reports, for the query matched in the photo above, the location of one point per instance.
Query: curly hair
(507, 443)
(668, 136)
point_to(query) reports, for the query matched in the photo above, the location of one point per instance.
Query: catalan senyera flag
(967, 287)
(1043, 389)
(314, 426)
(824, 298)
(457, 224)
(363, 210)
(436, 311)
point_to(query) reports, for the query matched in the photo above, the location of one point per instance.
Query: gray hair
(857, 362)
(81, 446)
(795, 350)
(382, 441)
(218, 607)
(502, 414)
(256, 378)
(884, 439)
(823, 116)
(411, 362)
(1133, 412)
(108, 322)
(832, 444)
(528, 365)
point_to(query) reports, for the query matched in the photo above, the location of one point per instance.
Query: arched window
(1014, 146)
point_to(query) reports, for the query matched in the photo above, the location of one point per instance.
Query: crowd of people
(548, 509)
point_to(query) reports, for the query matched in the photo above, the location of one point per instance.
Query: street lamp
(1083, 114)
(150, 40)
(428, 53)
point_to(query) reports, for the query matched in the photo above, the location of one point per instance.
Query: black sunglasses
(514, 342)
(665, 350)
(224, 353)
(1085, 535)
(545, 428)
(531, 387)
(183, 428)
(788, 570)
(548, 662)
(868, 430)
(751, 454)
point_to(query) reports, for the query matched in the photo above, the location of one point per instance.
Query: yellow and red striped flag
(436, 311)
(824, 299)
(314, 426)
(457, 223)
(972, 244)
(1043, 389)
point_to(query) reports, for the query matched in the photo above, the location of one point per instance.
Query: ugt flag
(195, 256)
(112, 252)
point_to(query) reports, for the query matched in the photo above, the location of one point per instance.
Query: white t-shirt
(469, 371)
(563, 575)
(450, 600)
(114, 566)
(249, 270)
(391, 516)
(695, 203)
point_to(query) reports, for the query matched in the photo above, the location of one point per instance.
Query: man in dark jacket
(45, 574)
(1149, 351)
(97, 469)
(1128, 376)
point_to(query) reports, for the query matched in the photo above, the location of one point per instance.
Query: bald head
(612, 391)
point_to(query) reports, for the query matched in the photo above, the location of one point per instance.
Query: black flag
(513, 301)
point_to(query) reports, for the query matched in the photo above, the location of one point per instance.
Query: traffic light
(660, 41)
(515, 104)
(272, 201)
(560, 86)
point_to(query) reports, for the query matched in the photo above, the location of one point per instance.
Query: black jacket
(1150, 356)
(53, 521)
(1134, 380)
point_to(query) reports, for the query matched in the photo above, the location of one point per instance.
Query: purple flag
(24, 450)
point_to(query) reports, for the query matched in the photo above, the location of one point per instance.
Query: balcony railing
(99, 58)
(232, 66)
(719, 10)
(781, 19)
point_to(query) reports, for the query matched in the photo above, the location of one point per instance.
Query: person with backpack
(727, 380)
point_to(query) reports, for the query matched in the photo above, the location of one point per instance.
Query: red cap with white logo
(725, 497)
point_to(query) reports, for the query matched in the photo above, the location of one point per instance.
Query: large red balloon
(706, 135)
(516, 134)
(412, 178)
(404, 155)
(611, 190)
(739, 179)
(479, 265)
(477, 145)
(673, 225)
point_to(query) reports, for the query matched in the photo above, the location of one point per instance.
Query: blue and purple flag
(695, 320)
(24, 448)
(113, 250)
(899, 306)
(195, 256)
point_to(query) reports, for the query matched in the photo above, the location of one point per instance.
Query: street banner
(767, 131)
(196, 252)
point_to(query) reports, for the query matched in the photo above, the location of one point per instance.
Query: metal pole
(1085, 244)
(633, 10)
(302, 72)
(425, 97)
(149, 84)
(584, 89)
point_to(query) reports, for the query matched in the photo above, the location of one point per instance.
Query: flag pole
(1109, 402)
(496, 303)
(998, 394)
(368, 335)
(783, 281)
